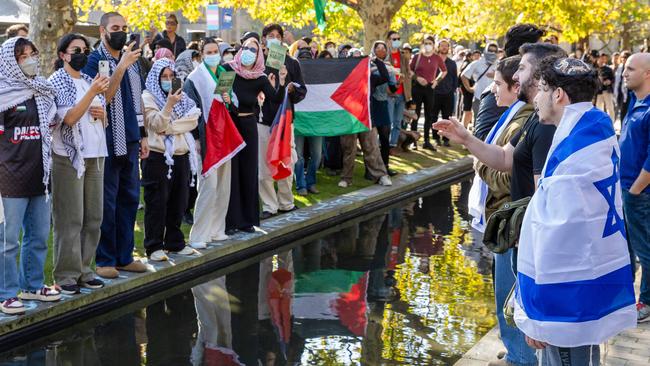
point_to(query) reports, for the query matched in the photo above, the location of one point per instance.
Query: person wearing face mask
(27, 109)
(331, 48)
(78, 153)
(397, 100)
(282, 201)
(481, 72)
(214, 181)
(243, 211)
(169, 171)
(428, 69)
(227, 52)
(124, 137)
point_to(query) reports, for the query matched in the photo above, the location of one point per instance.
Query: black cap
(248, 35)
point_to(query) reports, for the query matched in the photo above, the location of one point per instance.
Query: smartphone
(176, 85)
(104, 69)
(135, 37)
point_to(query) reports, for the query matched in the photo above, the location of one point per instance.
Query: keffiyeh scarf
(16, 87)
(184, 107)
(71, 136)
(116, 108)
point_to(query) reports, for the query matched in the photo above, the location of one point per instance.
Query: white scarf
(479, 191)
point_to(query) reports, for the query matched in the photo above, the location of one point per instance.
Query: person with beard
(126, 142)
(282, 200)
(481, 73)
(78, 153)
(525, 154)
(443, 101)
(489, 112)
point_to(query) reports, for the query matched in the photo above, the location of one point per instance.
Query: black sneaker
(231, 232)
(70, 289)
(248, 229)
(94, 284)
(428, 146)
(266, 215)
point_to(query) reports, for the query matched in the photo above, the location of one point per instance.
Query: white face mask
(332, 51)
(428, 48)
(228, 58)
(273, 41)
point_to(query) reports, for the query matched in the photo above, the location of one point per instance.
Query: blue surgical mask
(247, 58)
(396, 43)
(272, 41)
(166, 85)
(212, 60)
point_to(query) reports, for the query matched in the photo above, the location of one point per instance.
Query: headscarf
(258, 67)
(184, 107)
(163, 53)
(184, 65)
(16, 87)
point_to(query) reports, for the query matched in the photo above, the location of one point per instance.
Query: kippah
(571, 66)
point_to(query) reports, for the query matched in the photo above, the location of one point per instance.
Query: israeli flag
(575, 284)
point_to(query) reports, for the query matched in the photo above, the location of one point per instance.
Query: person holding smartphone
(170, 116)
(78, 153)
(125, 141)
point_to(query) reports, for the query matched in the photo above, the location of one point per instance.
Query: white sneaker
(385, 181)
(158, 256)
(221, 237)
(186, 251)
(12, 306)
(344, 184)
(199, 245)
(44, 294)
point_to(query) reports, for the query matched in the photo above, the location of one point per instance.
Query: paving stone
(614, 361)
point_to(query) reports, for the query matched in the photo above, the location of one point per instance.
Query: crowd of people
(78, 146)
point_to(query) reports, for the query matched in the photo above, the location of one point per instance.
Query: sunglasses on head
(77, 50)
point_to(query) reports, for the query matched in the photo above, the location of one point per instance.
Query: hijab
(258, 67)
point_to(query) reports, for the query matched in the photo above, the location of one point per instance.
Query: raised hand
(99, 84)
(173, 98)
(130, 56)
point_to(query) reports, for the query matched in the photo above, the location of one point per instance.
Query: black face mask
(78, 61)
(117, 40)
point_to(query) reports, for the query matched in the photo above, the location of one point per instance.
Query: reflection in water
(405, 287)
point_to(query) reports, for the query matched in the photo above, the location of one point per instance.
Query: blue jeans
(637, 212)
(519, 353)
(305, 181)
(576, 356)
(396, 111)
(32, 214)
(121, 199)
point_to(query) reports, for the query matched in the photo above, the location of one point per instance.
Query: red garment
(278, 153)
(428, 66)
(396, 57)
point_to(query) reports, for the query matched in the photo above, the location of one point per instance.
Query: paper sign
(225, 81)
(277, 54)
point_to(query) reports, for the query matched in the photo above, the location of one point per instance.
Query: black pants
(422, 95)
(384, 143)
(244, 208)
(165, 201)
(442, 103)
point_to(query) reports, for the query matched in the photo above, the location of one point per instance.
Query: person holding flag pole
(219, 141)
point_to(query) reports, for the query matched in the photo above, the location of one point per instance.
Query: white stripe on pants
(272, 200)
(212, 206)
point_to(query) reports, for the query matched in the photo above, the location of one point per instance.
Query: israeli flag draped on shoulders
(575, 284)
(479, 191)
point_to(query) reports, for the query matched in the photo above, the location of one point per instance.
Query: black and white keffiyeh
(16, 87)
(184, 107)
(116, 108)
(71, 136)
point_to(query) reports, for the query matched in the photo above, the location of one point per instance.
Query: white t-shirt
(93, 133)
(474, 70)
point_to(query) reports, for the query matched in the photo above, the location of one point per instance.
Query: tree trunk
(625, 37)
(50, 20)
(376, 16)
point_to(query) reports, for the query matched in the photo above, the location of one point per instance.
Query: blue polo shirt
(635, 142)
(131, 128)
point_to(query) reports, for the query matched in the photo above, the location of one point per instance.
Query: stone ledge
(274, 232)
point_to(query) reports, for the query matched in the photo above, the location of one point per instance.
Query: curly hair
(580, 85)
(519, 34)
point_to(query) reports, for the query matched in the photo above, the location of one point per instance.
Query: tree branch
(353, 4)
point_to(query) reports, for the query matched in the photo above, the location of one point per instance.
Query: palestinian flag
(333, 295)
(278, 153)
(338, 97)
(222, 138)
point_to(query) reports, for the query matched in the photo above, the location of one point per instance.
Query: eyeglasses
(252, 49)
(77, 50)
(395, 39)
(171, 22)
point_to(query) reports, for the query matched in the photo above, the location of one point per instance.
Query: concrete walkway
(630, 348)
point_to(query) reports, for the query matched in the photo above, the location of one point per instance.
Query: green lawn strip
(406, 163)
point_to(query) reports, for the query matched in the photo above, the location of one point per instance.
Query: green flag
(319, 7)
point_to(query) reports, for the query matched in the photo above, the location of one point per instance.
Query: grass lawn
(327, 185)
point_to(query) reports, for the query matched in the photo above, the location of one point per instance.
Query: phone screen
(135, 37)
(176, 85)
